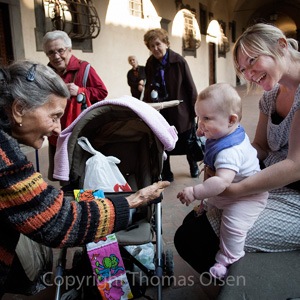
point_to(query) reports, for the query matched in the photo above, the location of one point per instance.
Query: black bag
(195, 145)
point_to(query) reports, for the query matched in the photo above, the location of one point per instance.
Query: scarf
(159, 80)
(213, 147)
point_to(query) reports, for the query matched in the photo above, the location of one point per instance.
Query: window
(223, 44)
(189, 31)
(190, 40)
(136, 8)
(78, 18)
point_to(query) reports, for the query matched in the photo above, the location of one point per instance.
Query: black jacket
(180, 86)
(133, 81)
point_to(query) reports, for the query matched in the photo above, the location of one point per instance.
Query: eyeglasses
(60, 52)
(30, 76)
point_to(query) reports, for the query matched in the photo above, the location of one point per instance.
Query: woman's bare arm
(277, 175)
(260, 139)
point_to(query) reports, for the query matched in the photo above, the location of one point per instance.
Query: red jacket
(95, 91)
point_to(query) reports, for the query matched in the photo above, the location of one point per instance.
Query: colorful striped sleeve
(41, 212)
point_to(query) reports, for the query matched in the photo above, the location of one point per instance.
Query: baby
(229, 157)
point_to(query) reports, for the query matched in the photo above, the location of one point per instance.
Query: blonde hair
(225, 98)
(262, 39)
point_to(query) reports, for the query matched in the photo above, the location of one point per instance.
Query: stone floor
(188, 285)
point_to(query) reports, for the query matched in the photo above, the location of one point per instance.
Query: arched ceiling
(283, 13)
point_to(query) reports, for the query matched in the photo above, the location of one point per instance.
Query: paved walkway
(187, 284)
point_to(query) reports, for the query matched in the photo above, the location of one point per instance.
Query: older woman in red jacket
(169, 78)
(58, 47)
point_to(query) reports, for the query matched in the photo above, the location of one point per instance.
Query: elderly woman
(32, 101)
(82, 86)
(169, 78)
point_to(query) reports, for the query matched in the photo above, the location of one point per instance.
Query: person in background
(32, 101)
(169, 78)
(136, 77)
(230, 158)
(265, 57)
(57, 46)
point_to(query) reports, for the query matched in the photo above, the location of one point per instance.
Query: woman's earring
(20, 124)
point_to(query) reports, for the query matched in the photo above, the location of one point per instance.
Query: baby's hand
(186, 196)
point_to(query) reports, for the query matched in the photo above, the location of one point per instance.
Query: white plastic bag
(102, 172)
(143, 253)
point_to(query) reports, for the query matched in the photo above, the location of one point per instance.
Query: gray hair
(57, 35)
(29, 82)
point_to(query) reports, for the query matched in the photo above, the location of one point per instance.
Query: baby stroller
(137, 134)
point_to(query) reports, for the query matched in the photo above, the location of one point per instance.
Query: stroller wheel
(169, 267)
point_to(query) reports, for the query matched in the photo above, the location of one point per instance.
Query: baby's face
(213, 123)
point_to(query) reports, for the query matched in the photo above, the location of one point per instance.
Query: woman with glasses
(169, 78)
(84, 91)
(32, 102)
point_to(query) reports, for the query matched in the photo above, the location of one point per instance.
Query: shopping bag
(108, 269)
(195, 145)
(102, 172)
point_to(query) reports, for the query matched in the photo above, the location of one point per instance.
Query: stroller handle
(165, 104)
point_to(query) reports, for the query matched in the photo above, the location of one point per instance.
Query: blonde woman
(263, 56)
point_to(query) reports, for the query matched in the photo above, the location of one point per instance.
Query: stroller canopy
(110, 122)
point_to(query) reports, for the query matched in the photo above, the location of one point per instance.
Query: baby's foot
(218, 271)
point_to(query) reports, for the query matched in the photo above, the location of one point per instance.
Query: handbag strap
(85, 75)
(194, 129)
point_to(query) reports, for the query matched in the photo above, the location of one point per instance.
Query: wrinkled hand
(186, 196)
(146, 195)
(73, 88)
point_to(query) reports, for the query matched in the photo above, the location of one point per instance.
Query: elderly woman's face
(40, 122)
(158, 48)
(59, 55)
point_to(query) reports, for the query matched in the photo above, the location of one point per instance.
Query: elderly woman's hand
(73, 88)
(147, 194)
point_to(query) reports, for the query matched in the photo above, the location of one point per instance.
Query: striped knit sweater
(30, 206)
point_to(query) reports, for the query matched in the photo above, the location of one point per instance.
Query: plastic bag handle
(86, 145)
